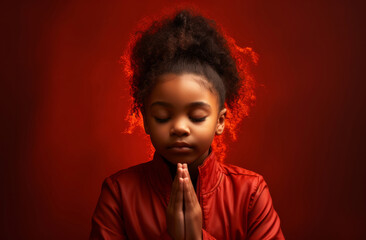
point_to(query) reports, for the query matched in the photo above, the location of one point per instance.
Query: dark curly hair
(187, 42)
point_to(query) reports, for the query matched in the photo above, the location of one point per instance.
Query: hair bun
(181, 18)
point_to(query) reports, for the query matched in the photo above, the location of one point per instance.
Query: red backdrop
(65, 99)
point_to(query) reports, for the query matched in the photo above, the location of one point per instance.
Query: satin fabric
(235, 203)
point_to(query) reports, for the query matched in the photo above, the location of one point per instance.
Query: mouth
(180, 147)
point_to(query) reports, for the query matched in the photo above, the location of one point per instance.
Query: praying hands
(184, 214)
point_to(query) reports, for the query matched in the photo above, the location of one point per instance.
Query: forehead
(182, 89)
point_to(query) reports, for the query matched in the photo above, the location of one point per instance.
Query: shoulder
(230, 169)
(130, 174)
(242, 176)
(236, 171)
(249, 181)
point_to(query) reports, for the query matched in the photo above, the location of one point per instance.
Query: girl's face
(182, 117)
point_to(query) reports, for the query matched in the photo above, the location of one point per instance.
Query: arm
(107, 222)
(263, 221)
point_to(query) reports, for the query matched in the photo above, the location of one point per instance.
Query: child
(185, 83)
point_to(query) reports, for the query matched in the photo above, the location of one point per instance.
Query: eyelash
(198, 119)
(161, 120)
(164, 120)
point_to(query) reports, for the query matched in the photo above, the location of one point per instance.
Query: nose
(180, 128)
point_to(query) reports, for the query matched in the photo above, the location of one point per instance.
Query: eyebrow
(193, 104)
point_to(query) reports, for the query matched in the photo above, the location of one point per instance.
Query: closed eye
(161, 120)
(198, 119)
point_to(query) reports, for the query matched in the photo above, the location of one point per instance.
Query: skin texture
(181, 108)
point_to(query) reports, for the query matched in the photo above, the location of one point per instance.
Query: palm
(184, 222)
(193, 212)
(175, 213)
(180, 223)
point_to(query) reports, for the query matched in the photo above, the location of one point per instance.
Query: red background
(65, 100)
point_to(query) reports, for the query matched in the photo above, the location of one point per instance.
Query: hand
(174, 212)
(192, 212)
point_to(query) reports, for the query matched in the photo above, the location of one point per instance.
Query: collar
(209, 175)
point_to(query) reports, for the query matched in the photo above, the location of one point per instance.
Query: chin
(181, 158)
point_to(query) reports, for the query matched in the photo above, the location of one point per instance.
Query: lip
(180, 147)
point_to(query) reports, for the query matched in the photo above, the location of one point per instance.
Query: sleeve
(107, 221)
(206, 235)
(263, 221)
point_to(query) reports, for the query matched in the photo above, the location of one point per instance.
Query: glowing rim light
(244, 58)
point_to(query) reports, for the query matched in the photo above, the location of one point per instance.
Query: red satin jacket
(235, 203)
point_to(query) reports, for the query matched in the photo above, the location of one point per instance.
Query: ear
(221, 122)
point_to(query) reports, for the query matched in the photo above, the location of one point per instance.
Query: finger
(188, 201)
(173, 191)
(191, 185)
(191, 190)
(184, 167)
(187, 171)
(178, 204)
(178, 190)
(179, 167)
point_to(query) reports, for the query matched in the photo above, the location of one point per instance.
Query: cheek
(205, 134)
(159, 133)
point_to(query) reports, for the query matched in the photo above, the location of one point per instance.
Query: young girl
(185, 83)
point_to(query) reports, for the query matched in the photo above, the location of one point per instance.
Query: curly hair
(187, 42)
